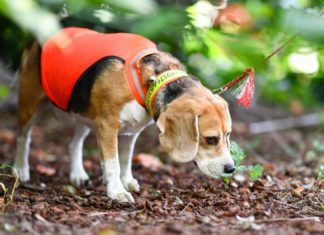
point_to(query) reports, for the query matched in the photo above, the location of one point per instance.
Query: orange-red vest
(70, 52)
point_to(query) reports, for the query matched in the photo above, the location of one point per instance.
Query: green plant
(4, 92)
(320, 174)
(255, 171)
(7, 194)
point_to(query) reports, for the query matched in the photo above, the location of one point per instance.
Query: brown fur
(180, 136)
(31, 92)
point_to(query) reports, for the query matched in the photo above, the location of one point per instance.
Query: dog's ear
(179, 134)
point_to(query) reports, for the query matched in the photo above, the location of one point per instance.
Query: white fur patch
(77, 173)
(125, 147)
(21, 160)
(115, 188)
(213, 166)
(133, 118)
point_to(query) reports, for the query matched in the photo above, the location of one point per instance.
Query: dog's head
(197, 127)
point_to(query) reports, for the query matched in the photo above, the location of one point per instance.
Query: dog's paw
(123, 197)
(23, 173)
(79, 177)
(131, 184)
(116, 191)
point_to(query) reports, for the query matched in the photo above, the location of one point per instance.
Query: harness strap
(134, 77)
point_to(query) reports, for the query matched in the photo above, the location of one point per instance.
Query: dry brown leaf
(88, 164)
(7, 136)
(298, 191)
(148, 160)
(45, 170)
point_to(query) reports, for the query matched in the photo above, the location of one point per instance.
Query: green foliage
(237, 153)
(4, 92)
(215, 55)
(320, 174)
(318, 146)
(69, 189)
(255, 171)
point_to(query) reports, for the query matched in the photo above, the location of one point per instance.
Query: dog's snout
(229, 168)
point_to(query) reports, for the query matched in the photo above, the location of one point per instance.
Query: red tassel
(245, 91)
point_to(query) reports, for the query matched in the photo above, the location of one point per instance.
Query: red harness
(70, 52)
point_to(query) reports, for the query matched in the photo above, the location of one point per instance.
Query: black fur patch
(174, 90)
(80, 97)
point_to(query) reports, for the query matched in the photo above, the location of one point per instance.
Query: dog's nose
(229, 168)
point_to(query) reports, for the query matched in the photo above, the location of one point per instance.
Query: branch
(285, 123)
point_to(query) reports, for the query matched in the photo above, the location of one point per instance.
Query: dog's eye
(212, 140)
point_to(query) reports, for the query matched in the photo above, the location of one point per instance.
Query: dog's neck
(155, 64)
(171, 92)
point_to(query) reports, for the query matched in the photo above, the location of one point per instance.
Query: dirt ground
(174, 199)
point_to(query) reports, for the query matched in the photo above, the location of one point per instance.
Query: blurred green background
(215, 44)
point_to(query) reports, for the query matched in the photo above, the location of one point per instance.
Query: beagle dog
(116, 85)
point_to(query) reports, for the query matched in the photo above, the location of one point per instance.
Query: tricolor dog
(116, 85)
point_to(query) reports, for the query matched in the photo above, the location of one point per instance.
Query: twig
(286, 43)
(189, 204)
(280, 47)
(99, 213)
(314, 218)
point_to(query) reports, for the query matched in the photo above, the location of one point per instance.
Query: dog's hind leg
(125, 148)
(78, 175)
(23, 146)
(31, 98)
(22, 152)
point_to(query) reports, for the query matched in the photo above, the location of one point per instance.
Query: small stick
(281, 47)
(314, 218)
(189, 204)
(99, 213)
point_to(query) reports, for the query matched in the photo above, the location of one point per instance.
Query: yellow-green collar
(161, 81)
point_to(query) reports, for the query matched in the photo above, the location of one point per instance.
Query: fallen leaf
(246, 205)
(69, 189)
(248, 222)
(49, 171)
(88, 164)
(148, 160)
(298, 191)
(7, 136)
(240, 178)
(9, 227)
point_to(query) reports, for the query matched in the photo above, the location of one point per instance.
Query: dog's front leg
(107, 140)
(125, 148)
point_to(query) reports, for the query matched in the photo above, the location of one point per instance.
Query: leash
(244, 93)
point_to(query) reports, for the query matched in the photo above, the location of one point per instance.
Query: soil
(174, 199)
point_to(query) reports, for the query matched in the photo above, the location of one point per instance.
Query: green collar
(161, 81)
